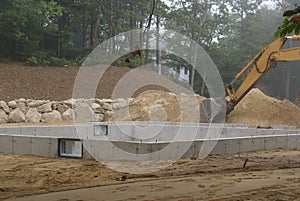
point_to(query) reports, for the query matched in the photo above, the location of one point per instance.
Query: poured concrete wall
(29, 145)
(144, 141)
(146, 132)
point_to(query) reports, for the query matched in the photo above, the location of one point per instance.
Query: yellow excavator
(258, 67)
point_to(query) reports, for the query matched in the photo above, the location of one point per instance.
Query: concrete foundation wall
(144, 141)
(39, 146)
(146, 132)
(117, 150)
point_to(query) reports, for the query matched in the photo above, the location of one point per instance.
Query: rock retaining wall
(35, 111)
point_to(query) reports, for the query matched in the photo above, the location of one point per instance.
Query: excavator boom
(258, 67)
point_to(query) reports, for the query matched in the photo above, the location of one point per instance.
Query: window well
(100, 130)
(70, 148)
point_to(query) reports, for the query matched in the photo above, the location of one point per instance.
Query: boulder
(89, 101)
(108, 116)
(107, 100)
(35, 103)
(99, 117)
(4, 107)
(53, 116)
(84, 113)
(21, 100)
(54, 106)
(45, 108)
(12, 104)
(16, 116)
(70, 102)
(61, 107)
(99, 101)
(107, 106)
(119, 104)
(3, 117)
(33, 116)
(21, 106)
(68, 115)
(95, 106)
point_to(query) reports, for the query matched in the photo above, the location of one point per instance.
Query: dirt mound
(258, 109)
(154, 105)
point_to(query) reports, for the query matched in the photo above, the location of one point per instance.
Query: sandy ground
(267, 176)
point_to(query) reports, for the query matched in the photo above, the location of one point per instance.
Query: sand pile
(258, 109)
(154, 105)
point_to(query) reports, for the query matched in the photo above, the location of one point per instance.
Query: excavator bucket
(213, 110)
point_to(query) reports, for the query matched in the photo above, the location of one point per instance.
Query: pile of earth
(260, 110)
(153, 105)
(256, 109)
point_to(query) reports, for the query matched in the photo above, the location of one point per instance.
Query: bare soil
(260, 110)
(56, 83)
(273, 175)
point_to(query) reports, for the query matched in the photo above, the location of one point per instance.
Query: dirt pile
(258, 109)
(154, 105)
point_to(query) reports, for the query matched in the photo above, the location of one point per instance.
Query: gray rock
(16, 116)
(89, 101)
(53, 116)
(99, 101)
(3, 117)
(21, 100)
(84, 113)
(68, 115)
(21, 106)
(107, 106)
(4, 107)
(108, 115)
(119, 104)
(70, 102)
(99, 117)
(100, 111)
(12, 104)
(54, 105)
(61, 107)
(95, 106)
(45, 108)
(107, 100)
(35, 103)
(33, 115)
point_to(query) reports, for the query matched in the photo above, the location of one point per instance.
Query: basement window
(70, 148)
(100, 130)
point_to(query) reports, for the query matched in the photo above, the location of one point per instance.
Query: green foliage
(23, 25)
(44, 59)
(289, 25)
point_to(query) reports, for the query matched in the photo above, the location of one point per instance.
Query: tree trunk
(96, 24)
(148, 32)
(157, 41)
(111, 48)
